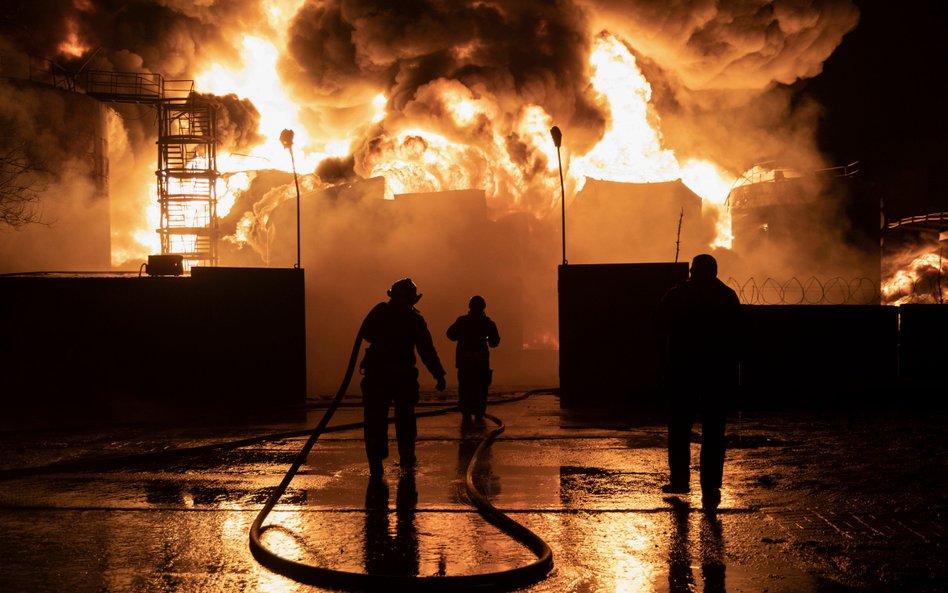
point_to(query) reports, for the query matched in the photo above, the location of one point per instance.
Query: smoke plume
(471, 89)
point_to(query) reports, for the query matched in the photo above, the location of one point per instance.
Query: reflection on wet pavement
(588, 487)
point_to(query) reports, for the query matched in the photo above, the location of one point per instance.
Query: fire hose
(315, 575)
(496, 581)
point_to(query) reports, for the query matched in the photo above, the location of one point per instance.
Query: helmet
(405, 290)
(477, 303)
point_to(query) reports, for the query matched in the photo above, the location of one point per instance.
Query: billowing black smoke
(722, 77)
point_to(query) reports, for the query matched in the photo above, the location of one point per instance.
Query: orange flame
(918, 282)
(631, 150)
(72, 46)
(462, 140)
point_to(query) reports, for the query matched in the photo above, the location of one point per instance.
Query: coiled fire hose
(325, 577)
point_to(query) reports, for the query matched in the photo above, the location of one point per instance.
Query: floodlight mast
(557, 140)
(286, 138)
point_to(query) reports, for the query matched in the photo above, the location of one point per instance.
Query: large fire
(435, 96)
(387, 99)
(464, 142)
(918, 282)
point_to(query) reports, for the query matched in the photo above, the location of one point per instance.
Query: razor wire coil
(811, 291)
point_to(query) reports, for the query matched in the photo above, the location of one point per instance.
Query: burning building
(429, 154)
(613, 222)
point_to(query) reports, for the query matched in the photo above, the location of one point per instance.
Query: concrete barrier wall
(230, 338)
(610, 354)
(610, 349)
(816, 351)
(923, 332)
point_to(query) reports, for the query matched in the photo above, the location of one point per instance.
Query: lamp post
(286, 138)
(557, 140)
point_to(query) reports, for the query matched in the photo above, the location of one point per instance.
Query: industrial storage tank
(811, 229)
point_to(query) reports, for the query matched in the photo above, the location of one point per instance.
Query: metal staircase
(187, 158)
(187, 180)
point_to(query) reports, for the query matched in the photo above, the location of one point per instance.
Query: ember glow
(72, 45)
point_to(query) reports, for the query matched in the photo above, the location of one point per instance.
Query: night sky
(883, 89)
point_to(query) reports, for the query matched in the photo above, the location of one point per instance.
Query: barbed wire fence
(811, 291)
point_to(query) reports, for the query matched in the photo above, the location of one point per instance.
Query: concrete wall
(222, 339)
(923, 331)
(811, 352)
(610, 350)
(825, 354)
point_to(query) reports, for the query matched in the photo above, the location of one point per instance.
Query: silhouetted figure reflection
(385, 553)
(712, 555)
(681, 579)
(394, 330)
(701, 318)
(475, 333)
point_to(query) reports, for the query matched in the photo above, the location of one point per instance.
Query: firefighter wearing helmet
(395, 330)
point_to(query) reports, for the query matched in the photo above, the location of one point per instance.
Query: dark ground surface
(818, 497)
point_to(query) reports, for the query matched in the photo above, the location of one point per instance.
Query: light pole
(557, 140)
(286, 138)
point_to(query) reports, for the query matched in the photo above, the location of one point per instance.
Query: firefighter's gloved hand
(440, 384)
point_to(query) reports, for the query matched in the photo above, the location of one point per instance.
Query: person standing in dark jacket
(395, 330)
(475, 333)
(702, 321)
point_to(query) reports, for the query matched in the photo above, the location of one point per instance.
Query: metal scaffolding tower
(187, 158)
(187, 180)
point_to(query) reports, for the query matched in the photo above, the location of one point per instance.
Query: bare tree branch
(22, 180)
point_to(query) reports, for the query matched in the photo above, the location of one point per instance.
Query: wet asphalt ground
(827, 499)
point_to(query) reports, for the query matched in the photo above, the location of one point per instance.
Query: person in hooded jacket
(475, 333)
(703, 325)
